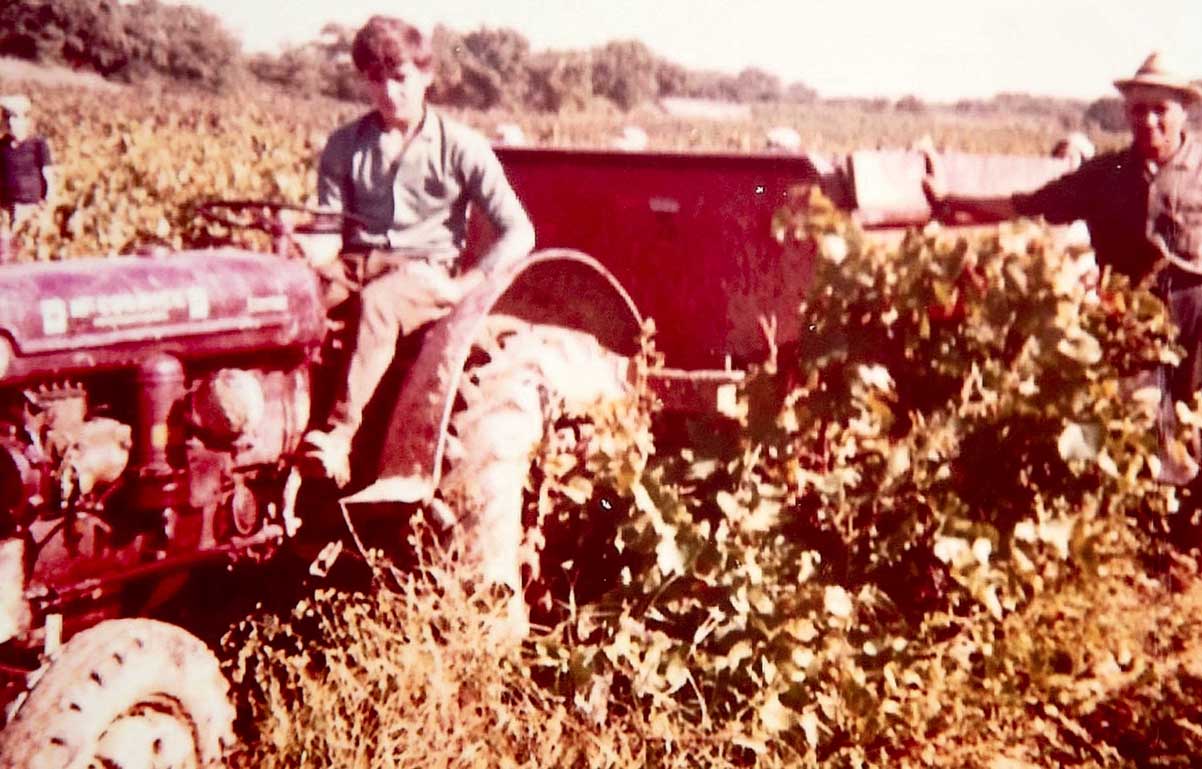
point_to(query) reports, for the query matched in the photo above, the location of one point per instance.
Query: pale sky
(936, 49)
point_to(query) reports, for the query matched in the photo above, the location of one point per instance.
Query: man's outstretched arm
(964, 209)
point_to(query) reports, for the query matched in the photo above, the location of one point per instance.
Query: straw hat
(15, 104)
(1154, 73)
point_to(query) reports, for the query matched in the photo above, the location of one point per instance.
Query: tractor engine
(148, 406)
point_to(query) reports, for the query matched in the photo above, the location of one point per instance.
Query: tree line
(128, 41)
(486, 68)
(482, 69)
(496, 68)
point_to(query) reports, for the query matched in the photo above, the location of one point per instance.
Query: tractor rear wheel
(125, 694)
(524, 374)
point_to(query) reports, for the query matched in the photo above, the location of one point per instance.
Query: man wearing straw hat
(26, 170)
(1143, 208)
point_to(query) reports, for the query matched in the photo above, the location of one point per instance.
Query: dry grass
(413, 674)
(418, 672)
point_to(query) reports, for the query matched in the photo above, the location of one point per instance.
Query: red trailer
(689, 236)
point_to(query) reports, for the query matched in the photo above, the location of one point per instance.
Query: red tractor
(151, 407)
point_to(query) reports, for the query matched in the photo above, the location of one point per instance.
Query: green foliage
(624, 73)
(81, 33)
(123, 40)
(132, 177)
(1107, 113)
(180, 42)
(757, 85)
(319, 68)
(910, 103)
(1069, 113)
(481, 69)
(560, 81)
(900, 533)
(491, 68)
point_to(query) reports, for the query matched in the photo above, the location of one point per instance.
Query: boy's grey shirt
(420, 202)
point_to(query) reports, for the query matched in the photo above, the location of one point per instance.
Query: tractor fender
(572, 287)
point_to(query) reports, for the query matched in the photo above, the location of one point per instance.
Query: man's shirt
(1127, 204)
(420, 201)
(21, 167)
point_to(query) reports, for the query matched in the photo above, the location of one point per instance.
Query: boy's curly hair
(385, 43)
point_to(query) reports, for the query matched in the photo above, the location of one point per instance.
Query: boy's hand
(320, 250)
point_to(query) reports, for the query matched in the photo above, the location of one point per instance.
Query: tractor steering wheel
(282, 221)
(276, 218)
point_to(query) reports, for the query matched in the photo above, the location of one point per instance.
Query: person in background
(1076, 148)
(1142, 206)
(26, 168)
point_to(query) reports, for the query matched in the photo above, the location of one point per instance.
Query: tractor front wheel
(125, 694)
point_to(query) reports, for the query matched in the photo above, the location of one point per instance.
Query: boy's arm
(321, 250)
(490, 189)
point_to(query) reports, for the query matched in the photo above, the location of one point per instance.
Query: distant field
(135, 160)
(824, 128)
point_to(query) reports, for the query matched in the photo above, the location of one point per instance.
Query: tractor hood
(106, 312)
